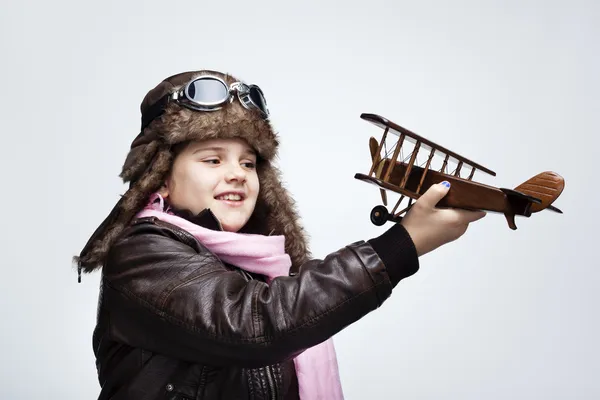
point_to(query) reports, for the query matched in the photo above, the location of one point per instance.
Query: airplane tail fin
(534, 195)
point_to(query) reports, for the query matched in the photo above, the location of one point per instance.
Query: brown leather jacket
(174, 322)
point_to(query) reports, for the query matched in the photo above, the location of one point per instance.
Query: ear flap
(94, 253)
(281, 215)
(137, 161)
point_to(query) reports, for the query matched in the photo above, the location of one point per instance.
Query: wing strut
(426, 169)
(410, 164)
(457, 173)
(394, 158)
(445, 164)
(472, 173)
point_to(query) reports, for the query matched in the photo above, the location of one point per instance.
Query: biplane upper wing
(413, 137)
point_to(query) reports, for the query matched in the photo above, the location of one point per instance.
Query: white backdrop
(512, 85)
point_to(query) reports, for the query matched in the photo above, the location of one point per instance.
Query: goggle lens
(207, 91)
(259, 100)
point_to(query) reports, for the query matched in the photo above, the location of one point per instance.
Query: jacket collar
(205, 218)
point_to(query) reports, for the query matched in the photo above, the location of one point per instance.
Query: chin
(232, 221)
(232, 225)
(232, 228)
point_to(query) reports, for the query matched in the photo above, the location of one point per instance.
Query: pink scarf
(316, 368)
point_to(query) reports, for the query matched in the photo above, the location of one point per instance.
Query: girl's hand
(431, 227)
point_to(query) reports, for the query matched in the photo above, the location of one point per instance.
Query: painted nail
(446, 183)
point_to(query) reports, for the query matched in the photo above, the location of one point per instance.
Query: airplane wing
(425, 143)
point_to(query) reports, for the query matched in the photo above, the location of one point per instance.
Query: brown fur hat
(151, 156)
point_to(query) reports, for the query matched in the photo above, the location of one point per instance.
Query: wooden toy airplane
(411, 180)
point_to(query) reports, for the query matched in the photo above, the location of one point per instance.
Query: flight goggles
(210, 93)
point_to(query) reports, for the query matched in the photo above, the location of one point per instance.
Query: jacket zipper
(272, 383)
(200, 391)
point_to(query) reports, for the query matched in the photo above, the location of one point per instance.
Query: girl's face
(219, 174)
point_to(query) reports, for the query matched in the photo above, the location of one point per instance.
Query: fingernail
(446, 183)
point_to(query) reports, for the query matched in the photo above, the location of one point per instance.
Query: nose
(235, 173)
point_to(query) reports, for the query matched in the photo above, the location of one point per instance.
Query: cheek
(255, 184)
(191, 182)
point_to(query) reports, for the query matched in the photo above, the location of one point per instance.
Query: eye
(213, 161)
(249, 165)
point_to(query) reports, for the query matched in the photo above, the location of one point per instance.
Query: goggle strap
(155, 111)
(158, 108)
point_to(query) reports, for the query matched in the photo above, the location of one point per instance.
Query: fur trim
(180, 124)
(137, 161)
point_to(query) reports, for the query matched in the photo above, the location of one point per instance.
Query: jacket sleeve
(180, 300)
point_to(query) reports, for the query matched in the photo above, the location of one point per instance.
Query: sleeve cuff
(398, 253)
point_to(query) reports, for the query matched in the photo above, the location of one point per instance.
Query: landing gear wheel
(379, 215)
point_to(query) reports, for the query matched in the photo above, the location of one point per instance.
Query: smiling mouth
(231, 197)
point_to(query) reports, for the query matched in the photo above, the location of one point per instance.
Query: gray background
(513, 85)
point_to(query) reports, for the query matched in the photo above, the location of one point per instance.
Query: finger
(471, 216)
(434, 194)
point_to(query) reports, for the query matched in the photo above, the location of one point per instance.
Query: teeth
(233, 197)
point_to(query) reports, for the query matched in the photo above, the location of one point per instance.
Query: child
(208, 289)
